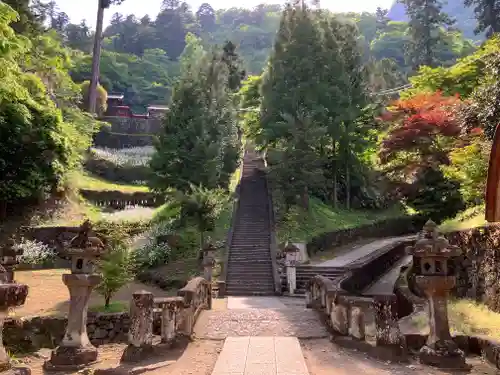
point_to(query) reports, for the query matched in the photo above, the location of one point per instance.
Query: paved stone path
(261, 335)
(261, 356)
(260, 316)
(361, 252)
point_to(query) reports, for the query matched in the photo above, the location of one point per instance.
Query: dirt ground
(325, 358)
(49, 296)
(194, 358)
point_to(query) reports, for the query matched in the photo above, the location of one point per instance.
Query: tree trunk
(107, 300)
(96, 58)
(335, 195)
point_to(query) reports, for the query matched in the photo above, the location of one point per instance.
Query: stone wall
(384, 228)
(122, 140)
(31, 334)
(128, 125)
(479, 268)
(119, 199)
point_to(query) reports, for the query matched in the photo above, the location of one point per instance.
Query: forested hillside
(141, 56)
(464, 16)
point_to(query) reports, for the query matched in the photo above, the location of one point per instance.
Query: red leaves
(420, 123)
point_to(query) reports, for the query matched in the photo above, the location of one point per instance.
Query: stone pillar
(168, 321)
(291, 276)
(140, 335)
(75, 350)
(291, 256)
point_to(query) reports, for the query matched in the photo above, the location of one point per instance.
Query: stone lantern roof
(431, 243)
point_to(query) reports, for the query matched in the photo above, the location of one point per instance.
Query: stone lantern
(208, 260)
(75, 350)
(292, 254)
(11, 295)
(9, 259)
(433, 258)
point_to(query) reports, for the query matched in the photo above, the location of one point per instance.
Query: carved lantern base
(66, 358)
(444, 355)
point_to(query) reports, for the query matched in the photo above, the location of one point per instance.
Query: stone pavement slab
(261, 356)
(239, 303)
(361, 252)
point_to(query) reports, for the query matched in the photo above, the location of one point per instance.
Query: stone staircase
(305, 272)
(249, 265)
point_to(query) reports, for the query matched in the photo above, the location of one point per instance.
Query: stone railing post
(140, 335)
(387, 333)
(171, 308)
(340, 318)
(357, 323)
(291, 259)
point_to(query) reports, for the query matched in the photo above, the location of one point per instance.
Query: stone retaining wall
(130, 125)
(30, 334)
(385, 228)
(122, 140)
(119, 199)
(479, 267)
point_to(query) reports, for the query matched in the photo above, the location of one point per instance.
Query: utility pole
(96, 55)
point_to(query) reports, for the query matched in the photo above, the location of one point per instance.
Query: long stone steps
(249, 269)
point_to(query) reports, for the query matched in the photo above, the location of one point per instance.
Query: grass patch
(470, 218)
(84, 180)
(114, 307)
(321, 218)
(466, 317)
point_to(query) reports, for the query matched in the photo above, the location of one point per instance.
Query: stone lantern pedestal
(75, 350)
(433, 259)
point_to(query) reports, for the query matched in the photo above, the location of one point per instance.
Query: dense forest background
(141, 57)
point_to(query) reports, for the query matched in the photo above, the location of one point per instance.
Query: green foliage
(199, 142)
(101, 100)
(435, 196)
(461, 78)
(201, 207)
(469, 166)
(116, 269)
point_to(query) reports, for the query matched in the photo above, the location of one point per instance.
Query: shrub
(435, 196)
(117, 267)
(35, 252)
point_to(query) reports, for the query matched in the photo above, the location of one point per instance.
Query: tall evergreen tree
(487, 14)
(234, 66)
(290, 96)
(199, 144)
(425, 20)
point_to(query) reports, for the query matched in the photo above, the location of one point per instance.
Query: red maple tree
(424, 127)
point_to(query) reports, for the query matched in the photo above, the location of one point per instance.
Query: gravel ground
(325, 358)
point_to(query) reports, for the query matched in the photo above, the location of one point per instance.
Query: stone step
(257, 258)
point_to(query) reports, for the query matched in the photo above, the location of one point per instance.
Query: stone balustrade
(178, 317)
(349, 318)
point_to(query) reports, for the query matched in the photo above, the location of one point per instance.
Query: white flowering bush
(35, 252)
(134, 156)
